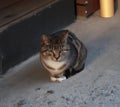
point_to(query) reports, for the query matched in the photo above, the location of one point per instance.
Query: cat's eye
(48, 53)
(47, 46)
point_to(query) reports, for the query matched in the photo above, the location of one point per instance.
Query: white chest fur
(54, 64)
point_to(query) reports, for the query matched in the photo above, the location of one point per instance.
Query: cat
(62, 54)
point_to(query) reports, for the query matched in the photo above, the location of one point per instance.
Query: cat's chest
(55, 64)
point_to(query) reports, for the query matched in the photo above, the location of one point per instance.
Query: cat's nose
(56, 57)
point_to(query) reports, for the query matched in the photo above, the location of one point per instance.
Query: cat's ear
(64, 35)
(44, 38)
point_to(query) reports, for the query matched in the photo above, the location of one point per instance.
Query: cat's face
(54, 48)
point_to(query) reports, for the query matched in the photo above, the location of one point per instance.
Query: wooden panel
(82, 1)
(87, 9)
(84, 10)
(6, 3)
(81, 10)
(18, 10)
(97, 6)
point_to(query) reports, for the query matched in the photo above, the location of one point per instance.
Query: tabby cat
(62, 54)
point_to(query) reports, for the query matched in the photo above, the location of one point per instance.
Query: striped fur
(62, 54)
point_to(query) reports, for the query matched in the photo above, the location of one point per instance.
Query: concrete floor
(98, 85)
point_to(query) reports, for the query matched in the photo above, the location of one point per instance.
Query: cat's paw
(61, 79)
(53, 79)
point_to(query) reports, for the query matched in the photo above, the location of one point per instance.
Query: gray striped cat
(62, 54)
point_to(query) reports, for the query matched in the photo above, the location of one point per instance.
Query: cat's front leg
(60, 79)
(53, 78)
